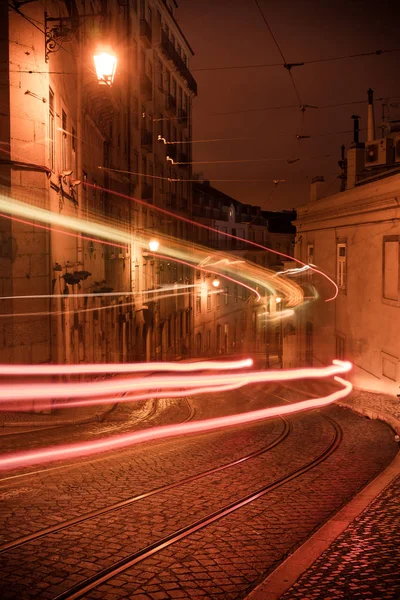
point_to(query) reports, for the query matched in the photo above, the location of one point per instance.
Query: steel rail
(127, 502)
(80, 589)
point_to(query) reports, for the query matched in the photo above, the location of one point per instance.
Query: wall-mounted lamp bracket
(58, 30)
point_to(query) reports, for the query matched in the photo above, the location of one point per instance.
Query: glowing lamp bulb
(154, 245)
(278, 300)
(216, 282)
(105, 65)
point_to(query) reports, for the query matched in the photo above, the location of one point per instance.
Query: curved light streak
(163, 288)
(96, 368)
(224, 233)
(33, 391)
(180, 393)
(20, 209)
(204, 270)
(77, 450)
(88, 310)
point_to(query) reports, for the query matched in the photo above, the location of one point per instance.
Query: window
(208, 301)
(310, 254)
(173, 90)
(51, 130)
(198, 303)
(235, 293)
(340, 345)
(391, 268)
(180, 97)
(73, 150)
(226, 295)
(208, 339)
(160, 76)
(341, 270)
(161, 180)
(217, 300)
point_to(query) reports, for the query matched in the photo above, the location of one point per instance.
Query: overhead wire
(316, 106)
(298, 63)
(286, 65)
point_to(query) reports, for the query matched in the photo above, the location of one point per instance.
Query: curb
(371, 414)
(289, 571)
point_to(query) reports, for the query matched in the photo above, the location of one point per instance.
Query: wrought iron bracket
(61, 29)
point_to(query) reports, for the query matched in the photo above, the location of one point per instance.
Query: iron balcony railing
(146, 86)
(168, 49)
(145, 31)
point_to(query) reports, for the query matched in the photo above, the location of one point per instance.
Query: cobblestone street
(223, 558)
(363, 562)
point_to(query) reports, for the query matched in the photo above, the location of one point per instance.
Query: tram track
(287, 429)
(143, 419)
(83, 587)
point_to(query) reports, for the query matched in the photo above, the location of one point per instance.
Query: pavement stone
(210, 564)
(364, 561)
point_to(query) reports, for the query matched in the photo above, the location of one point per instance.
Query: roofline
(177, 25)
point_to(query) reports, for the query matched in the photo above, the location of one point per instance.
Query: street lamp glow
(216, 282)
(154, 245)
(105, 64)
(278, 300)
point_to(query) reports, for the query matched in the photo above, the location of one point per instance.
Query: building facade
(90, 149)
(354, 236)
(228, 318)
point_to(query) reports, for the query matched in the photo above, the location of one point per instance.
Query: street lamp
(154, 245)
(105, 64)
(278, 300)
(216, 282)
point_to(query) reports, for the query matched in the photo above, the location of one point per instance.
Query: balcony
(171, 54)
(145, 32)
(170, 104)
(146, 140)
(146, 86)
(147, 192)
(182, 117)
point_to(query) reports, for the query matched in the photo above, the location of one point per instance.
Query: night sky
(232, 32)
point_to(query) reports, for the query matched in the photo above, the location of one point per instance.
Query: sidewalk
(16, 422)
(356, 554)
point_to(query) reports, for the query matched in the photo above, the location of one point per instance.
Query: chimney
(371, 118)
(355, 156)
(356, 128)
(316, 187)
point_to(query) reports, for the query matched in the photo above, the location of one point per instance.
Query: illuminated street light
(278, 300)
(216, 282)
(105, 64)
(154, 245)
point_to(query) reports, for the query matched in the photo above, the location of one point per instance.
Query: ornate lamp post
(105, 64)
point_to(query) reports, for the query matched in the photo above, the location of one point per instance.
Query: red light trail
(78, 450)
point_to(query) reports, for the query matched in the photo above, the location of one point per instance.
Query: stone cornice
(348, 212)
